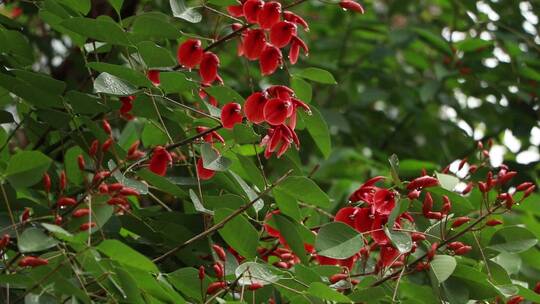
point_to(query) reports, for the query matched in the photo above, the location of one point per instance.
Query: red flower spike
(294, 51)
(352, 6)
(93, 147)
(220, 252)
(161, 159)
(383, 202)
(215, 287)
(4, 241)
(103, 188)
(281, 33)
(294, 18)
(202, 172)
(231, 114)
(276, 111)
(209, 68)
(255, 286)
(252, 9)
(253, 43)
(269, 15)
(153, 76)
(422, 182)
(270, 60)
(254, 107)
(493, 222)
(81, 212)
(190, 53)
(81, 163)
(202, 273)
(46, 182)
(87, 226)
(236, 10)
(30, 261)
(66, 201)
(460, 221)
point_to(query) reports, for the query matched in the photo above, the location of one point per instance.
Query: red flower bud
(251, 9)
(215, 287)
(281, 33)
(462, 163)
(202, 172)
(270, 60)
(422, 182)
(219, 252)
(153, 76)
(115, 187)
(468, 188)
(427, 206)
(202, 273)
(58, 220)
(338, 277)
(129, 192)
(529, 191)
(434, 215)
(253, 43)
(515, 300)
(447, 205)
(351, 5)
(87, 226)
(190, 53)
(63, 180)
(483, 187)
(269, 14)
(432, 251)
(81, 162)
(255, 286)
(106, 126)
(473, 168)
(30, 261)
(93, 147)
(4, 241)
(117, 201)
(414, 194)
(107, 144)
(460, 221)
(81, 212)
(66, 201)
(254, 107)
(276, 111)
(493, 222)
(134, 147)
(209, 68)
(537, 288)
(231, 114)
(524, 186)
(161, 159)
(218, 270)
(101, 175)
(463, 250)
(455, 245)
(47, 182)
(418, 236)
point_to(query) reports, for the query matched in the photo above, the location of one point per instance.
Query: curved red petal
(231, 114)
(209, 68)
(346, 215)
(269, 15)
(190, 53)
(251, 9)
(281, 33)
(253, 44)
(161, 158)
(270, 60)
(277, 110)
(202, 172)
(254, 107)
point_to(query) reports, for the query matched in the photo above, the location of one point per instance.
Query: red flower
(383, 202)
(209, 68)
(388, 256)
(422, 182)
(202, 172)
(127, 105)
(153, 76)
(211, 99)
(347, 215)
(231, 114)
(236, 10)
(294, 51)
(294, 18)
(87, 226)
(30, 261)
(276, 111)
(210, 137)
(161, 159)
(363, 220)
(215, 287)
(377, 231)
(254, 107)
(190, 53)
(253, 43)
(279, 139)
(281, 33)
(270, 60)
(81, 212)
(47, 182)
(351, 5)
(269, 229)
(269, 15)
(280, 91)
(365, 191)
(251, 9)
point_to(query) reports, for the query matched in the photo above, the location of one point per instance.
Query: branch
(220, 225)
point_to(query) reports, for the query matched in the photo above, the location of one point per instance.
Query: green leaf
(291, 232)
(123, 72)
(394, 170)
(73, 173)
(110, 84)
(401, 240)
(26, 168)
(322, 291)
(212, 160)
(102, 29)
(162, 183)
(198, 204)
(513, 239)
(317, 75)
(117, 5)
(447, 181)
(180, 10)
(318, 129)
(302, 89)
(251, 272)
(304, 189)
(245, 242)
(82, 6)
(34, 240)
(126, 255)
(442, 267)
(224, 94)
(435, 40)
(182, 279)
(156, 26)
(156, 57)
(175, 82)
(338, 240)
(287, 204)
(251, 194)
